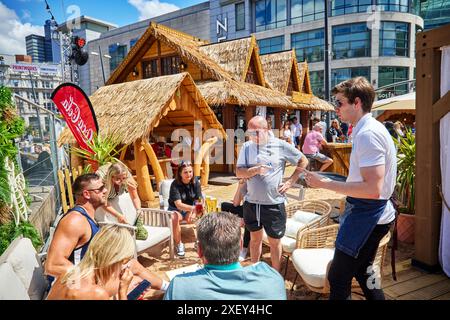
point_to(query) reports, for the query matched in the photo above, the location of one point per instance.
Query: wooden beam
(202, 159)
(428, 203)
(145, 189)
(123, 153)
(433, 39)
(441, 107)
(249, 114)
(277, 114)
(156, 166)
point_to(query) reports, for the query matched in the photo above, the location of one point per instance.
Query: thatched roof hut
(237, 57)
(132, 110)
(280, 69)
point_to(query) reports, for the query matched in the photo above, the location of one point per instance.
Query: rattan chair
(318, 245)
(319, 207)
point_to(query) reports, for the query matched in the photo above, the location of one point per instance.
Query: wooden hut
(229, 74)
(134, 111)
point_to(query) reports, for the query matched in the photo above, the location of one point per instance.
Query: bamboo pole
(145, 189)
(200, 158)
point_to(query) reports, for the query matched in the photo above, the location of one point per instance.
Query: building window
(339, 75)
(340, 7)
(390, 75)
(170, 65)
(317, 79)
(133, 42)
(309, 45)
(150, 69)
(270, 14)
(394, 38)
(117, 53)
(307, 10)
(240, 16)
(270, 45)
(351, 41)
(393, 5)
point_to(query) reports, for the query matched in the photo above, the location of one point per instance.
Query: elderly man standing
(369, 213)
(262, 161)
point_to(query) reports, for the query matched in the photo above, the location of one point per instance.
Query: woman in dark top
(335, 130)
(185, 189)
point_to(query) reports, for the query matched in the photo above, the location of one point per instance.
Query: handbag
(141, 232)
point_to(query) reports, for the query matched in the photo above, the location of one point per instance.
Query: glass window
(309, 45)
(270, 14)
(340, 7)
(307, 10)
(270, 45)
(351, 41)
(394, 39)
(390, 75)
(240, 16)
(117, 53)
(150, 69)
(339, 75)
(317, 79)
(170, 65)
(394, 5)
(133, 42)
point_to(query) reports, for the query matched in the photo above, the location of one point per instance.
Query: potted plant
(104, 150)
(406, 176)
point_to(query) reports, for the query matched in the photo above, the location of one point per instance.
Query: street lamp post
(327, 60)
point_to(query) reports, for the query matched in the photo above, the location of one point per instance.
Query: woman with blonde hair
(123, 199)
(104, 270)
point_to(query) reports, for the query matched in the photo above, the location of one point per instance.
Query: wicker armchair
(315, 253)
(321, 208)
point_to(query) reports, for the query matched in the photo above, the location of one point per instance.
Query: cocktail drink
(213, 204)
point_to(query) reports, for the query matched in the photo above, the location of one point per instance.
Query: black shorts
(272, 218)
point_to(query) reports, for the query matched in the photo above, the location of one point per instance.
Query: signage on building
(221, 28)
(33, 68)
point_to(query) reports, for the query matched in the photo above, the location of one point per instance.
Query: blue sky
(18, 18)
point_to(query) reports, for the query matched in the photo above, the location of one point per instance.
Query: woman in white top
(286, 133)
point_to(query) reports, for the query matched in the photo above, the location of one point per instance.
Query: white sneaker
(243, 254)
(180, 250)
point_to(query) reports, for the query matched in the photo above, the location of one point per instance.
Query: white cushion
(164, 192)
(122, 204)
(287, 243)
(312, 264)
(305, 216)
(11, 287)
(22, 257)
(292, 227)
(155, 236)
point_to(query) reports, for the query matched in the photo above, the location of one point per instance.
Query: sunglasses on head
(185, 163)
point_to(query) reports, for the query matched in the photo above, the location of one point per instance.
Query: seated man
(314, 141)
(223, 278)
(78, 227)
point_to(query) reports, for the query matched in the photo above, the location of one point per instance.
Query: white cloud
(152, 8)
(13, 31)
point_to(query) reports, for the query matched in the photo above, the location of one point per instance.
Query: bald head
(258, 122)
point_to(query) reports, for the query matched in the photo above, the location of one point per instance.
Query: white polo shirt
(373, 146)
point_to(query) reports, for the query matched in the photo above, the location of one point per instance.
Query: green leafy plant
(104, 150)
(9, 232)
(406, 169)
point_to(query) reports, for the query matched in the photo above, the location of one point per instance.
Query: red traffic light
(81, 42)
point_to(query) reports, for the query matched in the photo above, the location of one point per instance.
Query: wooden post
(304, 120)
(249, 114)
(428, 175)
(202, 159)
(229, 122)
(156, 166)
(277, 114)
(145, 189)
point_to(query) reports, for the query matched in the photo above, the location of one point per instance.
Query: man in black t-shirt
(184, 191)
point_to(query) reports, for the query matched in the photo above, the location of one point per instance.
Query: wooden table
(340, 153)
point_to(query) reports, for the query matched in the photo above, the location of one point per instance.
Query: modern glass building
(435, 13)
(370, 38)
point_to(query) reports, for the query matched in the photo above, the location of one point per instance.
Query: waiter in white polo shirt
(369, 213)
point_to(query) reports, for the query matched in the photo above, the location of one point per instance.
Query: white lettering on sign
(73, 113)
(221, 27)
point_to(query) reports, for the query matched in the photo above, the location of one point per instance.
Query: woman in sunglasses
(184, 191)
(103, 272)
(120, 183)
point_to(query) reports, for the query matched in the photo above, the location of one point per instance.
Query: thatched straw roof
(186, 46)
(244, 94)
(132, 110)
(277, 69)
(234, 56)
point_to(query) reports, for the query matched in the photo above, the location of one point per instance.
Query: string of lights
(47, 7)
